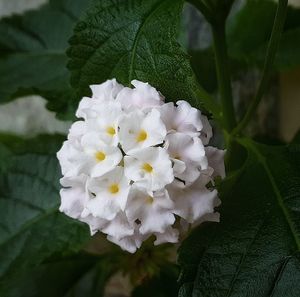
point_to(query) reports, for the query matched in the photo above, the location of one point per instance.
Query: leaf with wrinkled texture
(254, 250)
(129, 40)
(31, 227)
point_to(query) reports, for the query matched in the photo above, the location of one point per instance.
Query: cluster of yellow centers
(100, 156)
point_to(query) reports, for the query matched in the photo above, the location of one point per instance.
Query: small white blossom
(150, 168)
(108, 194)
(140, 130)
(153, 211)
(133, 165)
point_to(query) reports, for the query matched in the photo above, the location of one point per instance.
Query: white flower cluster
(134, 165)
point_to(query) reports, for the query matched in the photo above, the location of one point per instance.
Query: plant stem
(269, 61)
(223, 74)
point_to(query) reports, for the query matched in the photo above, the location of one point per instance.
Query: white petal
(170, 235)
(161, 173)
(139, 130)
(142, 96)
(216, 160)
(206, 132)
(193, 202)
(107, 203)
(74, 197)
(106, 91)
(119, 227)
(153, 212)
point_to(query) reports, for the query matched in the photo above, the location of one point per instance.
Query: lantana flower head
(134, 165)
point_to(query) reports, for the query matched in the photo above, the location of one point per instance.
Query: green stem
(269, 61)
(223, 74)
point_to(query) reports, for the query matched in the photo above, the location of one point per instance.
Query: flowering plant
(134, 162)
(155, 101)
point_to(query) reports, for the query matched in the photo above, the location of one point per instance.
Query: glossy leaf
(254, 250)
(31, 227)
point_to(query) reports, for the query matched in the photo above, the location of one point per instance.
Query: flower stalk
(268, 65)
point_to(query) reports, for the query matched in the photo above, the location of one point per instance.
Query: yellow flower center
(147, 167)
(142, 136)
(113, 188)
(100, 156)
(110, 130)
(149, 200)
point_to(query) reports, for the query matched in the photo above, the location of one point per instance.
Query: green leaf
(203, 64)
(32, 53)
(31, 227)
(254, 250)
(249, 32)
(80, 275)
(130, 40)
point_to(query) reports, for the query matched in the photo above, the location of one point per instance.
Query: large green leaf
(32, 53)
(129, 40)
(31, 227)
(250, 30)
(80, 275)
(254, 250)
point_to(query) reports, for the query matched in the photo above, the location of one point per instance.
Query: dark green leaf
(32, 53)
(254, 250)
(249, 32)
(132, 40)
(31, 227)
(203, 64)
(80, 275)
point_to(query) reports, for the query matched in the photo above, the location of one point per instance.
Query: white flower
(109, 194)
(106, 123)
(153, 211)
(89, 156)
(194, 201)
(188, 156)
(135, 167)
(149, 168)
(139, 130)
(101, 94)
(182, 118)
(143, 95)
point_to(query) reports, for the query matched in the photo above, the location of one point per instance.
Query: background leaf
(249, 31)
(132, 40)
(254, 250)
(32, 54)
(31, 227)
(79, 275)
